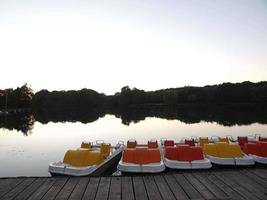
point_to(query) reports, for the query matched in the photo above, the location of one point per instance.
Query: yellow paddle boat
(87, 160)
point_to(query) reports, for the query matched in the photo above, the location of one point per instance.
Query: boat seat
(171, 153)
(241, 141)
(146, 156)
(224, 140)
(251, 148)
(197, 153)
(263, 139)
(82, 158)
(105, 149)
(263, 148)
(141, 156)
(230, 151)
(128, 155)
(211, 149)
(86, 145)
(203, 141)
(190, 142)
(131, 143)
(184, 153)
(222, 150)
(168, 143)
(152, 144)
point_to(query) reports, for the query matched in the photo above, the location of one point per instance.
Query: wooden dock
(208, 184)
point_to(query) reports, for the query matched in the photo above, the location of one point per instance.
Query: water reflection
(22, 122)
(224, 115)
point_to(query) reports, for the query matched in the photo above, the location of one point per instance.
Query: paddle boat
(223, 153)
(88, 160)
(141, 158)
(184, 156)
(258, 151)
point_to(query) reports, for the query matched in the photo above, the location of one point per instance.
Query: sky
(148, 44)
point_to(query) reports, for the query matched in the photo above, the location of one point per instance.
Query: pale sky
(148, 44)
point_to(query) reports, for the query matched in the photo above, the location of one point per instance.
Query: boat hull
(60, 168)
(141, 168)
(244, 160)
(259, 159)
(196, 164)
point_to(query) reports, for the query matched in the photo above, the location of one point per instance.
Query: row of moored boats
(155, 157)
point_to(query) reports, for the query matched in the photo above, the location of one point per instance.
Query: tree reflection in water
(23, 122)
(226, 115)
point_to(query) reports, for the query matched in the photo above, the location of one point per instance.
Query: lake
(29, 155)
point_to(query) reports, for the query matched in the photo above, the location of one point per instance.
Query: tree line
(21, 97)
(226, 93)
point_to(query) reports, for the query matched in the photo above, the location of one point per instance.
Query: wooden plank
(230, 182)
(227, 189)
(66, 191)
(115, 188)
(187, 187)
(19, 188)
(127, 188)
(41, 191)
(25, 194)
(259, 172)
(103, 188)
(151, 188)
(91, 189)
(212, 184)
(139, 188)
(199, 186)
(202, 177)
(56, 187)
(255, 178)
(8, 184)
(79, 190)
(163, 188)
(176, 189)
(246, 183)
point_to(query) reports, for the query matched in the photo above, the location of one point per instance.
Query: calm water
(30, 155)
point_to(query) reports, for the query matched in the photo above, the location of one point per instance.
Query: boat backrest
(105, 149)
(146, 156)
(224, 140)
(86, 145)
(203, 141)
(171, 153)
(211, 149)
(190, 142)
(82, 158)
(131, 143)
(252, 148)
(222, 150)
(152, 144)
(128, 155)
(168, 143)
(242, 140)
(184, 153)
(229, 150)
(141, 155)
(263, 139)
(197, 153)
(263, 148)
